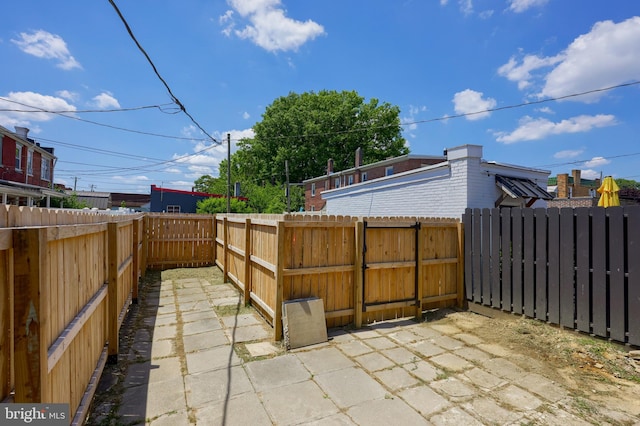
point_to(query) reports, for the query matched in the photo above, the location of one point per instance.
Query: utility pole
(288, 191)
(75, 183)
(228, 173)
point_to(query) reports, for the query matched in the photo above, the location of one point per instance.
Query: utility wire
(155, 70)
(75, 111)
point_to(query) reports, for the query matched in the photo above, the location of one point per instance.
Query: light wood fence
(65, 289)
(178, 240)
(364, 269)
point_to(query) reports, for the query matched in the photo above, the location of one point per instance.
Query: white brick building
(446, 189)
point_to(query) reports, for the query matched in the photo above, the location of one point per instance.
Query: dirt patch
(597, 373)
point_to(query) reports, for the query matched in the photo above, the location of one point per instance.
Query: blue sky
(227, 60)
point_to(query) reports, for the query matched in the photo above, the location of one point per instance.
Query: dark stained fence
(578, 268)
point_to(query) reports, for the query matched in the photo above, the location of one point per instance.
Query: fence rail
(578, 268)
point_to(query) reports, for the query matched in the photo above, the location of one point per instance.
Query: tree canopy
(306, 130)
(310, 128)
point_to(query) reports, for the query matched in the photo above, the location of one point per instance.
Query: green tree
(219, 205)
(308, 129)
(627, 184)
(70, 202)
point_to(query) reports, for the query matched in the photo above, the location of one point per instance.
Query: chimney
(576, 179)
(22, 132)
(330, 166)
(358, 157)
(563, 185)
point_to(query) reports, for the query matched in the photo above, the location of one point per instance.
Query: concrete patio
(198, 357)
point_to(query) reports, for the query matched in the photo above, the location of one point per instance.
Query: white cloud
(596, 162)
(519, 6)
(172, 170)
(70, 96)
(466, 7)
(269, 27)
(409, 121)
(471, 102)
(29, 101)
(533, 129)
(444, 2)
(604, 57)
(568, 153)
(546, 110)
(486, 14)
(181, 184)
(131, 179)
(43, 44)
(590, 174)
(106, 100)
(521, 73)
(246, 115)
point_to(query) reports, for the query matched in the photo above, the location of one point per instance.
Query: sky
(522, 78)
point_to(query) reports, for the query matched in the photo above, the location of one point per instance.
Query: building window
(45, 169)
(30, 162)
(337, 185)
(173, 209)
(18, 156)
(350, 180)
(313, 189)
(363, 177)
(326, 185)
(388, 171)
(313, 208)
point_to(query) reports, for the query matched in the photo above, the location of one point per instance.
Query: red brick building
(26, 169)
(314, 187)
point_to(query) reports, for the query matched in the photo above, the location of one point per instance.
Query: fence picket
(616, 274)
(633, 282)
(567, 262)
(599, 276)
(541, 278)
(506, 261)
(553, 289)
(516, 288)
(583, 285)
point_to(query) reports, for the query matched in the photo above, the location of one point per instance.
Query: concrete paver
(187, 366)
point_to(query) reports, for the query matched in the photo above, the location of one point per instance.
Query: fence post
(247, 261)
(461, 265)
(112, 274)
(136, 261)
(358, 275)
(420, 230)
(30, 251)
(277, 320)
(225, 250)
(145, 245)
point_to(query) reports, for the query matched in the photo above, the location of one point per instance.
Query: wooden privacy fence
(178, 240)
(579, 268)
(364, 270)
(65, 290)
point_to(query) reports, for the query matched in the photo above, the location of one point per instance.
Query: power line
(75, 111)
(155, 70)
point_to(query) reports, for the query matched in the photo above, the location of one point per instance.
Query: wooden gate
(390, 266)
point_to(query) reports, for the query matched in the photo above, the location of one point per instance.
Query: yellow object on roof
(608, 193)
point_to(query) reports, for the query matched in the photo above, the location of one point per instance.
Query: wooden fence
(65, 289)
(178, 240)
(364, 270)
(579, 268)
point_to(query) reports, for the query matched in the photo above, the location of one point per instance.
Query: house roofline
(6, 132)
(384, 162)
